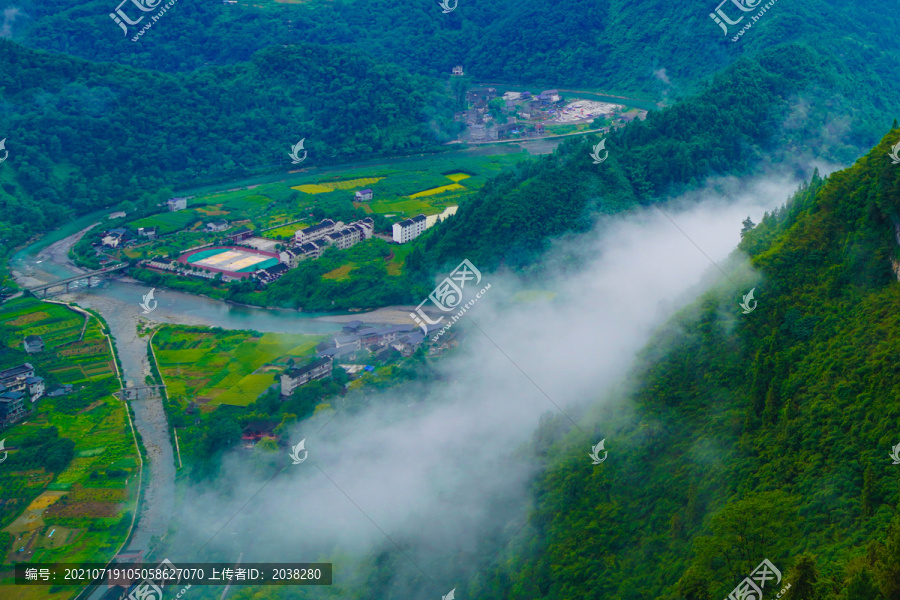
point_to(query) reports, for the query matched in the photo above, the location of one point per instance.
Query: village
(241, 253)
(357, 350)
(492, 115)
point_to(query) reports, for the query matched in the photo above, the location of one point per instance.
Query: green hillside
(84, 135)
(755, 436)
(733, 126)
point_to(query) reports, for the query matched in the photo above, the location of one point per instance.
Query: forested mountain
(209, 122)
(611, 43)
(736, 125)
(84, 135)
(754, 435)
(661, 48)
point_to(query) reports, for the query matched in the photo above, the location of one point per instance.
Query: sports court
(233, 261)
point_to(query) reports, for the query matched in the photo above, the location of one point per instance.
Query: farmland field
(65, 355)
(214, 367)
(341, 273)
(402, 188)
(68, 486)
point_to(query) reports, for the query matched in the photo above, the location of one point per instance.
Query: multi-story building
(177, 204)
(345, 238)
(316, 232)
(14, 379)
(367, 226)
(12, 407)
(409, 229)
(35, 387)
(294, 378)
(290, 257)
(270, 274)
(352, 234)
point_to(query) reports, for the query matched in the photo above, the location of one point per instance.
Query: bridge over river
(66, 282)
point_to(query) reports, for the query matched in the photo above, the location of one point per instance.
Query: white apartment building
(409, 229)
(316, 232)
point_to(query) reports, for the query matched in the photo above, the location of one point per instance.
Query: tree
(762, 525)
(804, 577)
(889, 563)
(866, 499)
(693, 585)
(267, 445)
(748, 225)
(861, 585)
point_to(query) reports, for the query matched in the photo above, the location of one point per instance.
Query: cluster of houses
(120, 237)
(18, 384)
(312, 241)
(357, 340)
(531, 108)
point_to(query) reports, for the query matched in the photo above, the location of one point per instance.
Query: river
(118, 302)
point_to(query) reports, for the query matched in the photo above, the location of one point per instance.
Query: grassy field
(435, 180)
(81, 511)
(213, 367)
(341, 273)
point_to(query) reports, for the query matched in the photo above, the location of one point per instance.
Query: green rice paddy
(213, 367)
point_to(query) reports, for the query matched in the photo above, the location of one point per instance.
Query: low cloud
(9, 17)
(661, 75)
(435, 477)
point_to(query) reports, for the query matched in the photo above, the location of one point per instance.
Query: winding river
(118, 302)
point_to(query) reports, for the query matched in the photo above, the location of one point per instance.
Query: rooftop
(294, 373)
(17, 370)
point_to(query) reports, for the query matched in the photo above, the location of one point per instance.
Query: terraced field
(67, 355)
(68, 486)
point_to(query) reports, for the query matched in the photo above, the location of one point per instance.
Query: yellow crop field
(341, 272)
(330, 186)
(437, 190)
(457, 177)
(44, 500)
(349, 184)
(311, 188)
